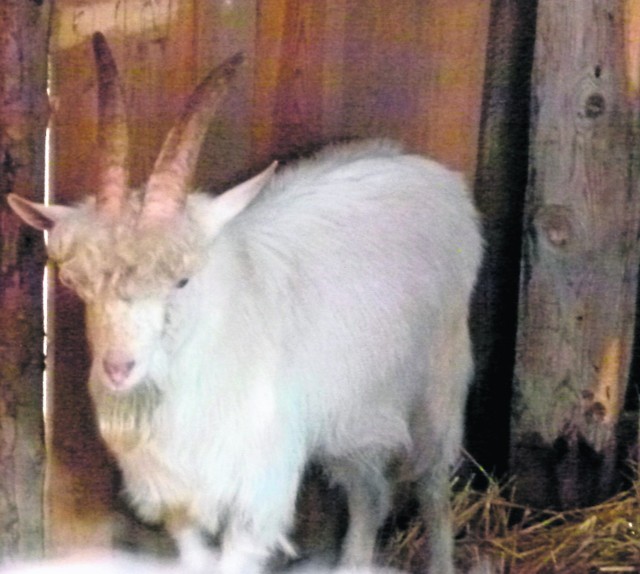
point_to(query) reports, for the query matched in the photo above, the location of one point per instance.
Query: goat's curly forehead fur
(98, 255)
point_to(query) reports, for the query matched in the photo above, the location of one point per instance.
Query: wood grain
(579, 272)
(24, 113)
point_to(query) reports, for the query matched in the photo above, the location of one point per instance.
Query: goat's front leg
(194, 553)
(242, 553)
(262, 516)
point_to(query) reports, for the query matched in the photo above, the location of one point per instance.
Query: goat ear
(38, 215)
(226, 206)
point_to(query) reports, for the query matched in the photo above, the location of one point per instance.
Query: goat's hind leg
(437, 430)
(433, 493)
(368, 500)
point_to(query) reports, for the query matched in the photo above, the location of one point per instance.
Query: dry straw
(498, 536)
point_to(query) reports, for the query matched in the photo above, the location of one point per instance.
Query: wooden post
(580, 253)
(24, 31)
(500, 183)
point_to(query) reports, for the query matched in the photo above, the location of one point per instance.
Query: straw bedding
(498, 536)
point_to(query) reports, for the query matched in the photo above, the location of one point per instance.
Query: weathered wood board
(580, 252)
(24, 31)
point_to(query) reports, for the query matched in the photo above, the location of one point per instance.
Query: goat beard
(125, 420)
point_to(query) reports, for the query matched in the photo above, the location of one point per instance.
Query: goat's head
(126, 252)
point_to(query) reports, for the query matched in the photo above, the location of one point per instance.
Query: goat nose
(117, 368)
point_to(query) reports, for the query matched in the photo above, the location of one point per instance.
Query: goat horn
(166, 191)
(113, 142)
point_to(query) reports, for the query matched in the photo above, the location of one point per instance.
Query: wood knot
(594, 106)
(555, 222)
(596, 412)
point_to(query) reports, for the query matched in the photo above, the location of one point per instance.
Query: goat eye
(180, 284)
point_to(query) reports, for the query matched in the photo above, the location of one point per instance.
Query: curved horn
(113, 141)
(167, 186)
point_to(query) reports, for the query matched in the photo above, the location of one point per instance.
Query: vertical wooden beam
(580, 253)
(500, 183)
(24, 34)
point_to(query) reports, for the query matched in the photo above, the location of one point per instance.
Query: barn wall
(317, 70)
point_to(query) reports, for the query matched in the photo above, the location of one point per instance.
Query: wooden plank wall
(317, 70)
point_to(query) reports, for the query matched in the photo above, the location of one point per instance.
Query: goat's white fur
(325, 319)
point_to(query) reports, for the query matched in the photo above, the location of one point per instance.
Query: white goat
(318, 313)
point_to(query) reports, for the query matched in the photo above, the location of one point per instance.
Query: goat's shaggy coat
(321, 315)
